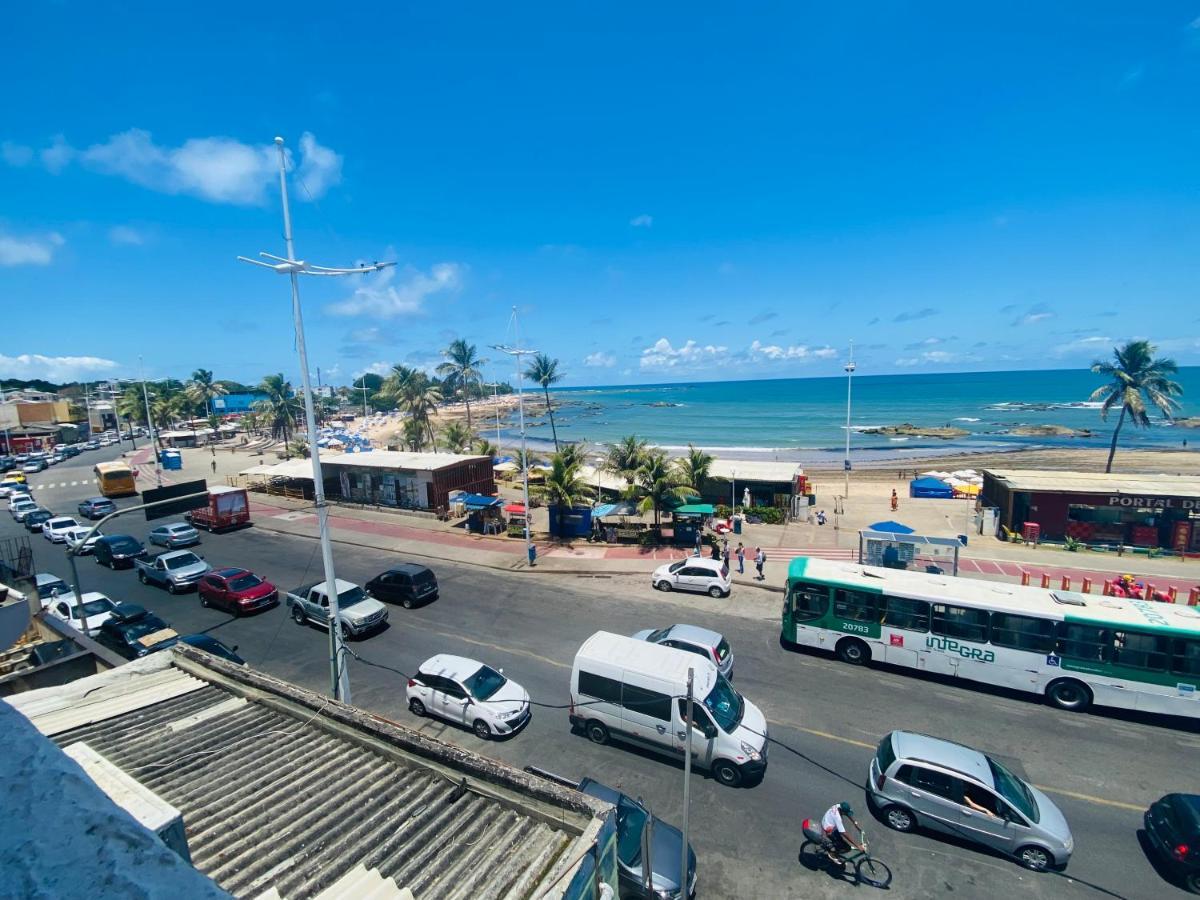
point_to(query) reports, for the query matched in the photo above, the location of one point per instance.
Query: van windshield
(1013, 789)
(725, 704)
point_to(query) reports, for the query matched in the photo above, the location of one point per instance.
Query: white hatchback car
(75, 539)
(695, 573)
(466, 692)
(55, 530)
(96, 610)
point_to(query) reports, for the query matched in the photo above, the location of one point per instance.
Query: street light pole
(849, 377)
(517, 353)
(687, 784)
(150, 426)
(338, 676)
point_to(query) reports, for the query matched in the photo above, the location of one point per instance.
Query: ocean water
(805, 418)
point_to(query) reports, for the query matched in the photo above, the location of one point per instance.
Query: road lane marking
(1074, 795)
(497, 647)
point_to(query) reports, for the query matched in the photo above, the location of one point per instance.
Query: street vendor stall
(517, 515)
(482, 512)
(689, 522)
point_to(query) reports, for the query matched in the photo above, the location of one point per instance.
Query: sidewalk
(429, 538)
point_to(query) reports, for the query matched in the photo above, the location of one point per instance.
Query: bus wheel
(853, 651)
(1070, 695)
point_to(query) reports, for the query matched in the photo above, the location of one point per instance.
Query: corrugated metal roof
(1098, 482)
(754, 470)
(399, 459)
(276, 796)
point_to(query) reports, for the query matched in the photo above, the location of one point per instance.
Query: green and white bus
(1075, 649)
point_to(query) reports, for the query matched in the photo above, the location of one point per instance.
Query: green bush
(721, 511)
(770, 515)
(1072, 545)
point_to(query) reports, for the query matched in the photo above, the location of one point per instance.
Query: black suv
(118, 550)
(1173, 830)
(125, 631)
(407, 584)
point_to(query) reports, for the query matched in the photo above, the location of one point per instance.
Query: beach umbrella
(890, 527)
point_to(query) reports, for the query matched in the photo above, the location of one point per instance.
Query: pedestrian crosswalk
(789, 553)
(46, 486)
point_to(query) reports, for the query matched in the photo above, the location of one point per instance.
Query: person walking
(741, 558)
(760, 560)
(725, 558)
(214, 467)
(895, 500)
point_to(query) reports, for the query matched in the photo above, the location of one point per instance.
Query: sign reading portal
(154, 495)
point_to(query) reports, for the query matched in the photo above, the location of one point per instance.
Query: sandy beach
(1157, 462)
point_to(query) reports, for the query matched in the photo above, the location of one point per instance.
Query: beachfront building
(231, 404)
(764, 482)
(387, 477)
(1096, 508)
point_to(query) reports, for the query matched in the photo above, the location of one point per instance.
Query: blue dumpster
(171, 459)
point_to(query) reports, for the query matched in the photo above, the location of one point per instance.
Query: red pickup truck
(227, 507)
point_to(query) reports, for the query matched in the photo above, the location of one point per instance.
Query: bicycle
(814, 854)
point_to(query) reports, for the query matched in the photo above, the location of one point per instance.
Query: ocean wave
(681, 447)
(966, 419)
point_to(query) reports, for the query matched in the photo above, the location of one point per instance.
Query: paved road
(826, 718)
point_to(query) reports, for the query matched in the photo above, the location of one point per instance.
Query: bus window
(1083, 642)
(1022, 632)
(855, 606)
(903, 612)
(809, 601)
(1140, 651)
(1185, 658)
(963, 622)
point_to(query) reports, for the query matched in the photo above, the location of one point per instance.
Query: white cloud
(642, 221)
(937, 358)
(29, 251)
(53, 368)
(600, 360)
(217, 169)
(375, 368)
(379, 296)
(123, 235)
(1033, 318)
(759, 351)
(16, 154)
(1089, 344)
(58, 155)
(825, 352)
(663, 356)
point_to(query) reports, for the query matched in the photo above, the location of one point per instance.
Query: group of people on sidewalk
(723, 553)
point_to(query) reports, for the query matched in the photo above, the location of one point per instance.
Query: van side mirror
(710, 731)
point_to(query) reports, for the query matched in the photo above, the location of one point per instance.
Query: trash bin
(737, 524)
(1031, 532)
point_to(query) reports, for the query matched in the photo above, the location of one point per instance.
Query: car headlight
(667, 894)
(750, 752)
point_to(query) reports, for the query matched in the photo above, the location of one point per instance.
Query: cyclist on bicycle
(834, 826)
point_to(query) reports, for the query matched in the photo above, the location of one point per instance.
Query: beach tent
(694, 509)
(890, 527)
(930, 487)
(476, 501)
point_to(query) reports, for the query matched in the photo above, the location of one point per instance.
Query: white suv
(467, 692)
(695, 573)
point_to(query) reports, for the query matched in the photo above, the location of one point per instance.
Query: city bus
(1074, 649)
(115, 479)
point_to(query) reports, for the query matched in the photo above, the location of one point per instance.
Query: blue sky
(666, 192)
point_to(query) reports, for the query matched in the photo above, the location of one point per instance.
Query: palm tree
(413, 434)
(422, 401)
(658, 483)
(455, 437)
(1137, 376)
(484, 448)
(462, 366)
(131, 407)
(202, 389)
(399, 381)
(563, 486)
(624, 457)
(280, 407)
(544, 371)
(694, 468)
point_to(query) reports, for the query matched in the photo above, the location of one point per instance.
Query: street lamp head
(279, 141)
(850, 367)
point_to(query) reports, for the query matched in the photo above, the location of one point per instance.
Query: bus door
(810, 605)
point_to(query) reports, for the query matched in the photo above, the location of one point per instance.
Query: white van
(635, 691)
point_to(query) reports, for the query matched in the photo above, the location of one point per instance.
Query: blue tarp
(476, 501)
(930, 487)
(890, 527)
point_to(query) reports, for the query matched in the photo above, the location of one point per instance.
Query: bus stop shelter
(915, 552)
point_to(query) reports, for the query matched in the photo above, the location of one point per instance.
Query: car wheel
(727, 773)
(715, 592)
(407, 603)
(854, 652)
(1192, 882)
(481, 729)
(204, 601)
(416, 707)
(298, 616)
(664, 586)
(1034, 858)
(1070, 695)
(142, 578)
(899, 818)
(596, 732)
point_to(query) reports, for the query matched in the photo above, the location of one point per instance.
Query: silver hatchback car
(917, 780)
(694, 639)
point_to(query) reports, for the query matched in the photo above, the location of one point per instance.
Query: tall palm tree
(399, 382)
(694, 469)
(1136, 376)
(624, 457)
(564, 487)
(461, 368)
(413, 434)
(202, 389)
(544, 371)
(131, 407)
(422, 402)
(485, 448)
(280, 407)
(658, 483)
(455, 437)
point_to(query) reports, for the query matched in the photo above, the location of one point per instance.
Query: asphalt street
(1101, 768)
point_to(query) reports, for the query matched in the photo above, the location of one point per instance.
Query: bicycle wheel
(873, 872)
(812, 857)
